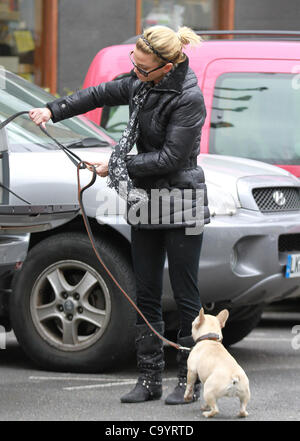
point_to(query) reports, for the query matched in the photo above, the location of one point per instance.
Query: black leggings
(149, 250)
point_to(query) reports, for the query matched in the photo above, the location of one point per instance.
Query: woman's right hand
(40, 116)
(101, 168)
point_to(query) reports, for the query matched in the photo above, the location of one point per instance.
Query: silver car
(65, 310)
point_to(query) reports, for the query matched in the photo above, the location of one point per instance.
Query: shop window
(196, 14)
(19, 33)
(28, 35)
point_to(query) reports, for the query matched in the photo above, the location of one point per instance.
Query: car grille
(288, 198)
(289, 242)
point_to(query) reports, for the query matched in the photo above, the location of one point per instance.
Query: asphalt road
(270, 356)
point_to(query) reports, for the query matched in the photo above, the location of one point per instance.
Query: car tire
(89, 328)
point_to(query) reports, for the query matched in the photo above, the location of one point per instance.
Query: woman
(167, 113)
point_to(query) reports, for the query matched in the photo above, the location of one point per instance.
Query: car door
(252, 111)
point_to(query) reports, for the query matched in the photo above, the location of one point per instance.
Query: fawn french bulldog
(217, 370)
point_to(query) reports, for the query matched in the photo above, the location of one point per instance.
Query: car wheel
(242, 320)
(66, 312)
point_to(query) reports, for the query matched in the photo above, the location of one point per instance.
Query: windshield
(18, 95)
(256, 116)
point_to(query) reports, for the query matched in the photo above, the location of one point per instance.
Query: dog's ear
(201, 316)
(222, 317)
(200, 319)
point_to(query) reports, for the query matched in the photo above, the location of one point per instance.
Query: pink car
(251, 90)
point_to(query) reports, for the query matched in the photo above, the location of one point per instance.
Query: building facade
(52, 42)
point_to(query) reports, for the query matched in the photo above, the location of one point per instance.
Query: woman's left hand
(101, 168)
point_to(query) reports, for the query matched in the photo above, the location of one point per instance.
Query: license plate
(293, 266)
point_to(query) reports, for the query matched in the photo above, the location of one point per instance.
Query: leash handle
(12, 117)
(72, 156)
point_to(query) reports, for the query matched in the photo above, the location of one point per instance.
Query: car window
(256, 116)
(115, 118)
(23, 135)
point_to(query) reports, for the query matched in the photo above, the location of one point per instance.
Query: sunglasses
(142, 71)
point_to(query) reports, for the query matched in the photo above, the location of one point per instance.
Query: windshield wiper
(88, 142)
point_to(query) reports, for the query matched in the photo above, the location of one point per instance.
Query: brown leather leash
(92, 240)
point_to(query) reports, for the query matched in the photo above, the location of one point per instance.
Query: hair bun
(163, 42)
(188, 36)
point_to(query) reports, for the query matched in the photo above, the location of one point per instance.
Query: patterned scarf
(118, 177)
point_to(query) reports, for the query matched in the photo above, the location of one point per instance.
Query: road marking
(97, 386)
(267, 339)
(72, 378)
(116, 383)
(272, 368)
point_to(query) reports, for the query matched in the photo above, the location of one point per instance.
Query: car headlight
(220, 201)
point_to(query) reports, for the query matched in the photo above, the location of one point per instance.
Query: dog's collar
(209, 336)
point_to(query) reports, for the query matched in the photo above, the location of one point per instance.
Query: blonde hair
(168, 43)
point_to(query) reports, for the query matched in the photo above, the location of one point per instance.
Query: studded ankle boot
(150, 363)
(177, 396)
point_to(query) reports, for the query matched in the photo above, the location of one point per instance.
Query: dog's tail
(231, 389)
(235, 380)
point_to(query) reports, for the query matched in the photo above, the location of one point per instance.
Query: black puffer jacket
(170, 125)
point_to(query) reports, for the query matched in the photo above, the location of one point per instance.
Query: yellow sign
(24, 41)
